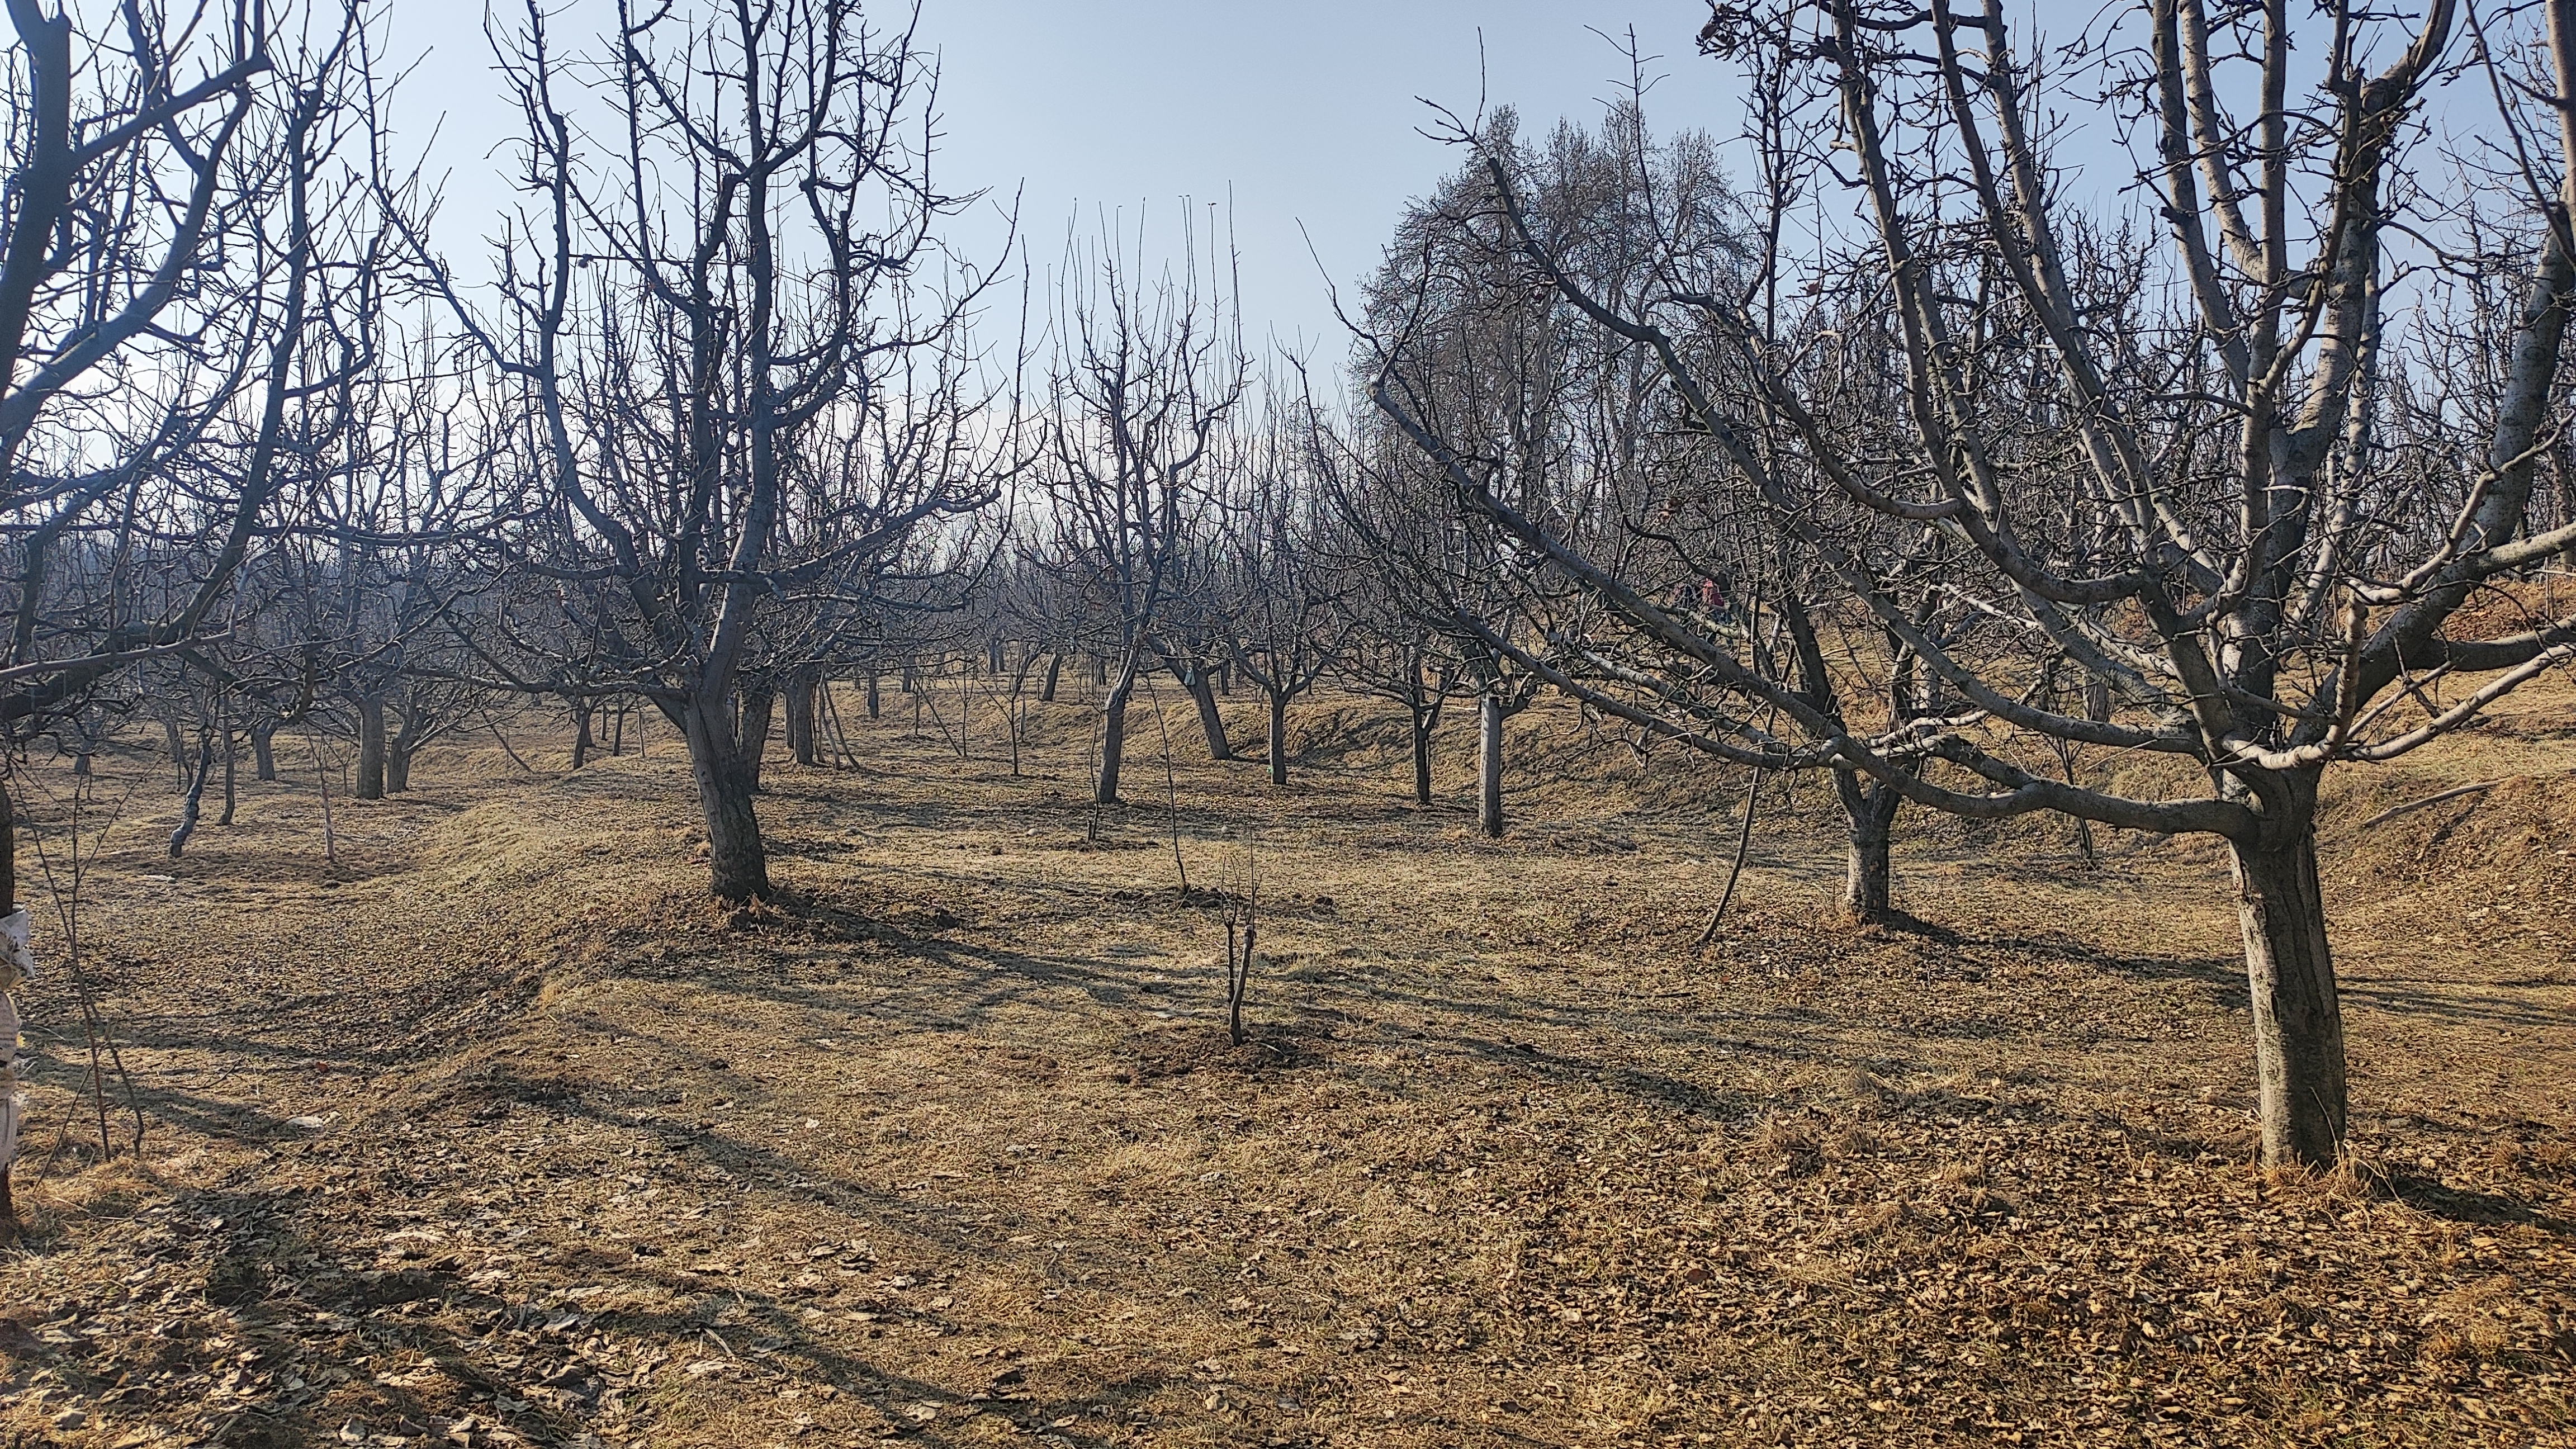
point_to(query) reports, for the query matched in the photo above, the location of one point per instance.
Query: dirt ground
(495, 1132)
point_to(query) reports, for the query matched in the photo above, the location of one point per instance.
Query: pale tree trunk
(371, 747)
(737, 863)
(1278, 737)
(1423, 721)
(1113, 732)
(1489, 765)
(2289, 971)
(1211, 723)
(263, 753)
(177, 746)
(800, 720)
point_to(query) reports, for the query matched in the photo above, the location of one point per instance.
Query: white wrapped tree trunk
(17, 966)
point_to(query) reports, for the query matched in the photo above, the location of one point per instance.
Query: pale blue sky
(1307, 110)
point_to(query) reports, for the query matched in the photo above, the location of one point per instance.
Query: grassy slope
(949, 1144)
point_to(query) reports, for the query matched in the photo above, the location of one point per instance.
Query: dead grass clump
(1850, 1142)
(1790, 1147)
(1871, 1095)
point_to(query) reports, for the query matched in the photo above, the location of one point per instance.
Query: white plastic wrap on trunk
(17, 965)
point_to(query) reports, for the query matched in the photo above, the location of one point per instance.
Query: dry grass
(949, 1144)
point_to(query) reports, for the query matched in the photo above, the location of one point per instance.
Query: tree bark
(737, 862)
(9, 1048)
(1422, 726)
(1278, 737)
(1055, 668)
(1113, 733)
(1489, 765)
(1212, 724)
(263, 753)
(371, 747)
(759, 708)
(1869, 819)
(2289, 970)
(232, 774)
(800, 720)
(873, 705)
(405, 743)
(582, 743)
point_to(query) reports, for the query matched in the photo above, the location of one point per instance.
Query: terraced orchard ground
(493, 1132)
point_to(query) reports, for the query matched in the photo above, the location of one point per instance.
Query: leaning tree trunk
(737, 861)
(1869, 819)
(371, 747)
(1055, 669)
(800, 720)
(1423, 721)
(1489, 765)
(1211, 723)
(1113, 733)
(263, 753)
(1278, 737)
(2289, 969)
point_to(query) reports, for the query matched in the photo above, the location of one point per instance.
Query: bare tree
(711, 349)
(2187, 505)
(1144, 376)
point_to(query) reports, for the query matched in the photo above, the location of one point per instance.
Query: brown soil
(497, 1133)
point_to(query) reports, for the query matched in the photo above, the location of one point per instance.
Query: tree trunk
(1422, 725)
(263, 753)
(371, 747)
(399, 750)
(1211, 723)
(1869, 818)
(994, 662)
(1278, 737)
(2298, 1017)
(1113, 734)
(800, 720)
(178, 747)
(8, 1044)
(232, 774)
(873, 706)
(1489, 765)
(737, 863)
(582, 743)
(1055, 668)
(759, 707)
